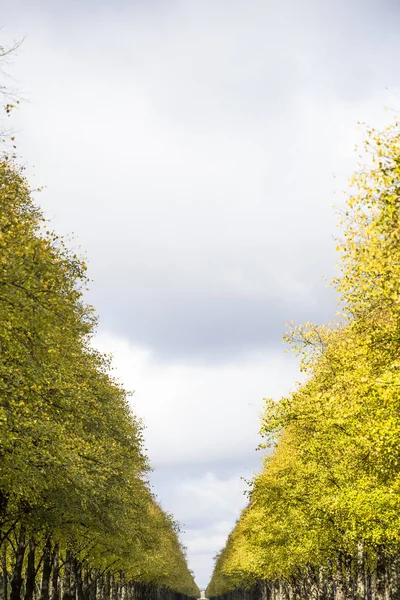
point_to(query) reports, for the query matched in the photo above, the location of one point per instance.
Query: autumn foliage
(323, 519)
(77, 518)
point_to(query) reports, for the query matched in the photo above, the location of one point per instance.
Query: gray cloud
(211, 132)
(210, 328)
(212, 138)
(195, 148)
(208, 503)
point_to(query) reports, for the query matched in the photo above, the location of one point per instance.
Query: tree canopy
(328, 497)
(74, 475)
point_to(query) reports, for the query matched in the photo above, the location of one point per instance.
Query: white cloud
(204, 415)
(208, 506)
(194, 148)
(199, 413)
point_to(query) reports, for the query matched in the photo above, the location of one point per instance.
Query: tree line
(323, 518)
(77, 518)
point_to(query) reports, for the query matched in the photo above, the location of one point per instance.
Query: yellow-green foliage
(332, 483)
(73, 469)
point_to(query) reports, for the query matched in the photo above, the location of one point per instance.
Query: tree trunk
(389, 586)
(4, 570)
(30, 576)
(100, 588)
(86, 584)
(55, 594)
(107, 587)
(74, 583)
(360, 573)
(93, 589)
(394, 579)
(123, 589)
(16, 581)
(113, 588)
(78, 579)
(340, 587)
(66, 582)
(46, 572)
(380, 577)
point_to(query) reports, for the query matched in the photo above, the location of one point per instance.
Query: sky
(196, 150)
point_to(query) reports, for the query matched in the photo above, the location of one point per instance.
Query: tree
(74, 498)
(325, 510)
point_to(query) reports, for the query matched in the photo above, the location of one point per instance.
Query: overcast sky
(196, 149)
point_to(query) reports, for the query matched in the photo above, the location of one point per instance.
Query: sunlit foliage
(326, 508)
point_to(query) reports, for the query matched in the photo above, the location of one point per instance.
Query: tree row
(77, 518)
(323, 518)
